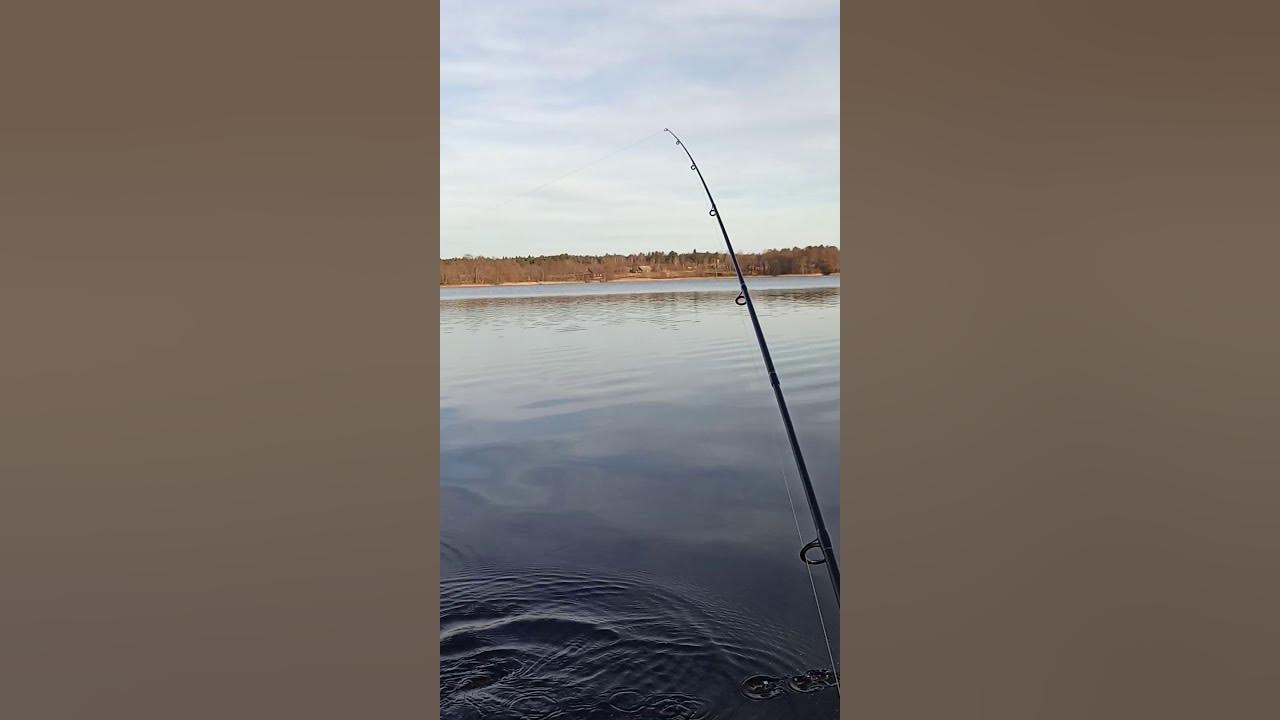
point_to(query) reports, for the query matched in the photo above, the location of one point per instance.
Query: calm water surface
(616, 536)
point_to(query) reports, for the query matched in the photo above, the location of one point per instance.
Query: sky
(533, 90)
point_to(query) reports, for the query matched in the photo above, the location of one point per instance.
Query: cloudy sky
(534, 89)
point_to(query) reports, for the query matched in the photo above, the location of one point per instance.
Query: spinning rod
(823, 541)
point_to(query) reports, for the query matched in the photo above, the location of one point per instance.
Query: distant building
(645, 268)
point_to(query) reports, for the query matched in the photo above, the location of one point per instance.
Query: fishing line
(575, 172)
(817, 604)
(823, 541)
(795, 517)
(569, 174)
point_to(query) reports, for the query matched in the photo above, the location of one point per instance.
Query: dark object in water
(812, 681)
(763, 687)
(823, 541)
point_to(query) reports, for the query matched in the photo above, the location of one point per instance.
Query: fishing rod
(823, 541)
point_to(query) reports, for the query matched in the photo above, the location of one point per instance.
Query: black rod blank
(744, 298)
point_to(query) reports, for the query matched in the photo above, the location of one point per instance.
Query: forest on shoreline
(479, 270)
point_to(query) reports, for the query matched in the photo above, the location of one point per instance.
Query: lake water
(616, 536)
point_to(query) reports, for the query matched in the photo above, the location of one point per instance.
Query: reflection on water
(616, 538)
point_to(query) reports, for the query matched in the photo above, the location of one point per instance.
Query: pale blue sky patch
(534, 89)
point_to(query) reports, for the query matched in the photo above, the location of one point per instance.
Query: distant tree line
(473, 270)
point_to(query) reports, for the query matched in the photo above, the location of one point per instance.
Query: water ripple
(543, 644)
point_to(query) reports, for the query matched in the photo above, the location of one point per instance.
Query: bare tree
(470, 269)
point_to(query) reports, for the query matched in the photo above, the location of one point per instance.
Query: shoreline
(729, 276)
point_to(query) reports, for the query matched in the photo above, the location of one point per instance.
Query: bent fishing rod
(823, 541)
